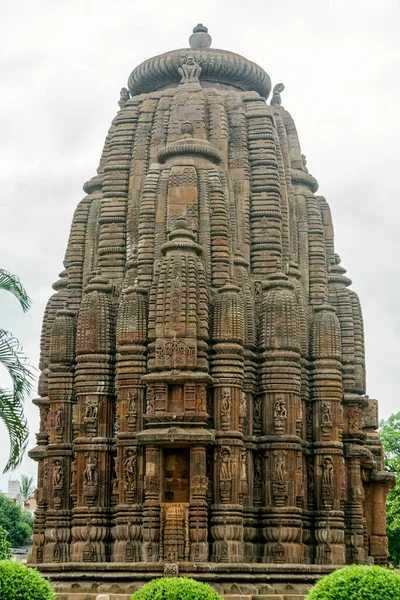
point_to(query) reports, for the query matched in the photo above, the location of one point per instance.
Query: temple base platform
(232, 581)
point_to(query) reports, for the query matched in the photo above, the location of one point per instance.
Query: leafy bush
(18, 582)
(5, 546)
(357, 582)
(176, 588)
(18, 523)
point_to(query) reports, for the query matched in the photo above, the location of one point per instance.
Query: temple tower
(202, 395)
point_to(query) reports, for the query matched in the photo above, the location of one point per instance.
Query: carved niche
(90, 478)
(130, 473)
(280, 414)
(326, 419)
(226, 403)
(327, 482)
(225, 474)
(280, 477)
(91, 415)
(58, 482)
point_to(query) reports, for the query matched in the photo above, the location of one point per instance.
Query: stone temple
(202, 390)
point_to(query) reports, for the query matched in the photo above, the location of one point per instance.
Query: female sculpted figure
(225, 464)
(88, 473)
(327, 475)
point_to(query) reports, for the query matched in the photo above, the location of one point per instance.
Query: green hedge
(18, 582)
(358, 582)
(175, 588)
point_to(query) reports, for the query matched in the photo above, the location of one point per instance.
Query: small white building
(13, 492)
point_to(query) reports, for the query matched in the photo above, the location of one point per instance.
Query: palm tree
(16, 363)
(26, 487)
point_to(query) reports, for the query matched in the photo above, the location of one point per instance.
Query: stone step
(114, 597)
(265, 597)
(89, 596)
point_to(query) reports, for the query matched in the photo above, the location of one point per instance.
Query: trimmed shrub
(176, 588)
(18, 582)
(5, 546)
(358, 582)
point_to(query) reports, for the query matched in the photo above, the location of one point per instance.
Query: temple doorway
(176, 475)
(175, 508)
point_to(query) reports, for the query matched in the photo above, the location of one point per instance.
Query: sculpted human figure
(130, 469)
(150, 400)
(190, 70)
(226, 459)
(58, 475)
(327, 471)
(243, 461)
(257, 467)
(326, 413)
(280, 411)
(59, 414)
(89, 472)
(354, 418)
(280, 469)
(131, 409)
(225, 405)
(92, 409)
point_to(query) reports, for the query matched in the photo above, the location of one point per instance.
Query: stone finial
(200, 37)
(276, 94)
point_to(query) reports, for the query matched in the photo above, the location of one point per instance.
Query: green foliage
(17, 523)
(16, 363)
(18, 582)
(358, 582)
(11, 283)
(176, 588)
(5, 546)
(26, 487)
(390, 435)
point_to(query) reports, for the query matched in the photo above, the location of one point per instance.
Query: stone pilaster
(283, 469)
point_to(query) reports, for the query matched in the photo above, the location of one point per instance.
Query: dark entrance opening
(177, 474)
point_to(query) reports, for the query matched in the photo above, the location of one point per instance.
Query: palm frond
(12, 415)
(26, 487)
(11, 283)
(11, 401)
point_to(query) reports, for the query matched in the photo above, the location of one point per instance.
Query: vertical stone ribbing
(328, 230)
(239, 172)
(326, 394)
(147, 215)
(128, 461)
(339, 298)
(220, 260)
(281, 404)
(93, 425)
(317, 257)
(75, 253)
(90, 265)
(143, 112)
(112, 232)
(285, 183)
(59, 450)
(230, 459)
(266, 194)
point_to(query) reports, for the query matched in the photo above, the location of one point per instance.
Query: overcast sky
(63, 63)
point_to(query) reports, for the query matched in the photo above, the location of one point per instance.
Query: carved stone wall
(202, 394)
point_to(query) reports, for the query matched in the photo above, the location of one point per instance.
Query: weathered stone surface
(202, 397)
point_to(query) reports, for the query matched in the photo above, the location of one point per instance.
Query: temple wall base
(113, 581)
